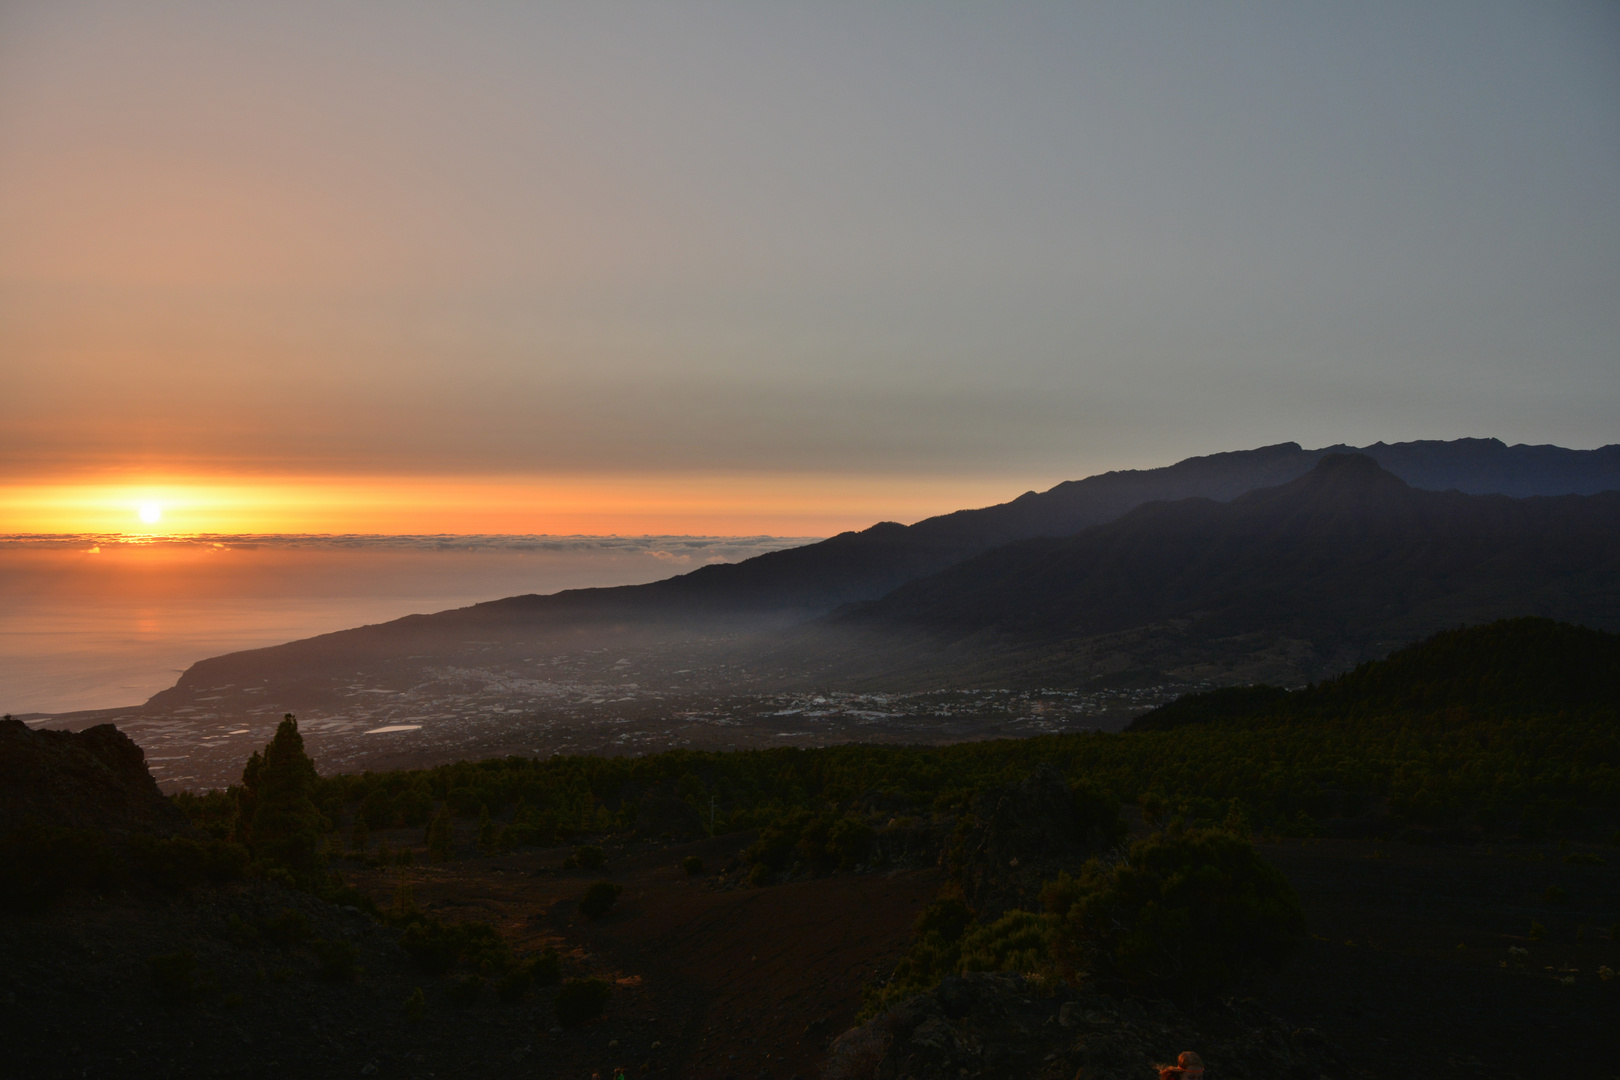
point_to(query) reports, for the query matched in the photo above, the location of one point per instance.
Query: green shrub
(1019, 941)
(343, 894)
(215, 813)
(599, 899)
(849, 840)
(415, 1005)
(936, 951)
(775, 846)
(588, 857)
(1185, 913)
(692, 865)
(580, 1001)
(824, 842)
(338, 960)
(761, 875)
(175, 975)
(1585, 858)
(437, 947)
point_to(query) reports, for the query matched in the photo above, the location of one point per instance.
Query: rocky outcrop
(92, 779)
(1009, 1028)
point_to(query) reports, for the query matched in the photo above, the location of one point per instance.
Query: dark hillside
(1514, 666)
(1522, 665)
(1337, 561)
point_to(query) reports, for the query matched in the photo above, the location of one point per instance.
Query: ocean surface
(96, 622)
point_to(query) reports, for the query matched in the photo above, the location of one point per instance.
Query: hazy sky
(801, 248)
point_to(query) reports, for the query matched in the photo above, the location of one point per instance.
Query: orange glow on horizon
(794, 505)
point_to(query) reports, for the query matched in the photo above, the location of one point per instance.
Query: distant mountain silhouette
(1336, 562)
(783, 588)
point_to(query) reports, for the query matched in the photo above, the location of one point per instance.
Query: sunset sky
(730, 268)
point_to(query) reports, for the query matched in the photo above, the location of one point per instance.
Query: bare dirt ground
(729, 980)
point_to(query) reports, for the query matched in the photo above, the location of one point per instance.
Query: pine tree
(285, 827)
(359, 835)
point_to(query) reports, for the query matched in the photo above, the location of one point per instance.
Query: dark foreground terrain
(1421, 962)
(1448, 819)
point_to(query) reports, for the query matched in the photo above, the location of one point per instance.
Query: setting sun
(803, 505)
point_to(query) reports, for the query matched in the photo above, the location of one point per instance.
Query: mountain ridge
(778, 590)
(1347, 555)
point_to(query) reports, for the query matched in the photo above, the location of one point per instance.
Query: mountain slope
(1344, 558)
(1513, 666)
(772, 591)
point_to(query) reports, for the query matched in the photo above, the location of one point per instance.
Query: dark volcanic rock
(91, 779)
(1023, 834)
(1004, 1026)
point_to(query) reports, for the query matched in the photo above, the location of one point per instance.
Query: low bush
(599, 899)
(823, 842)
(580, 1001)
(936, 951)
(1019, 941)
(437, 946)
(343, 894)
(415, 1005)
(588, 857)
(692, 865)
(1185, 913)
